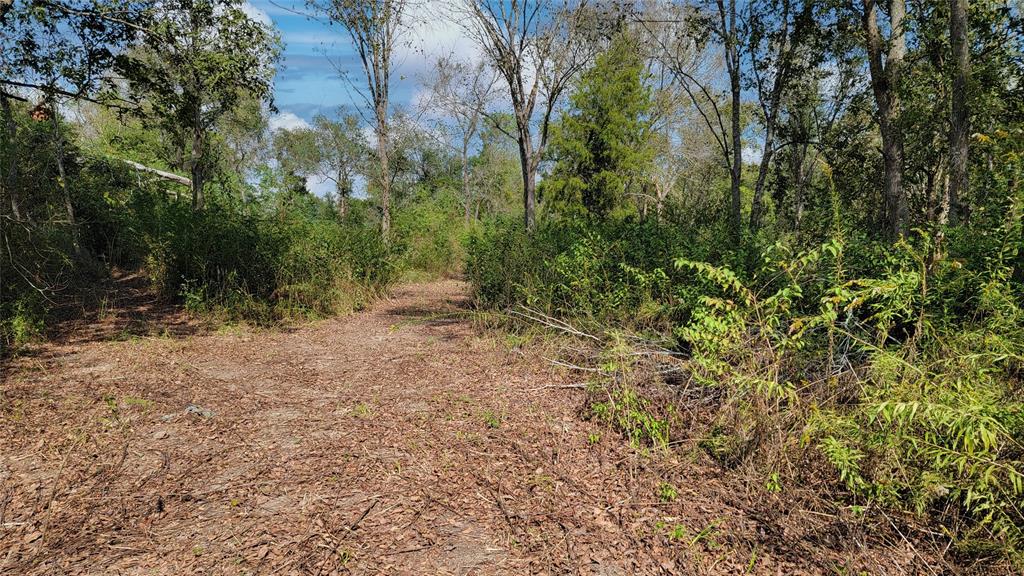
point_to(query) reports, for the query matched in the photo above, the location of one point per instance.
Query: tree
(776, 34)
(199, 61)
(729, 35)
(536, 47)
(374, 27)
(495, 169)
(298, 157)
(602, 146)
(886, 71)
(244, 131)
(681, 34)
(342, 154)
(63, 50)
(461, 91)
(959, 118)
(66, 47)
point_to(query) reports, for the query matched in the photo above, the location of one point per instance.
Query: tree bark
(798, 167)
(58, 142)
(959, 119)
(385, 172)
(529, 171)
(729, 35)
(885, 78)
(196, 164)
(9, 177)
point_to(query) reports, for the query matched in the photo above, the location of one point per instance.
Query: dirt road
(396, 440)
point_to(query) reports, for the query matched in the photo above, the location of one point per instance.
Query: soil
(397, 440)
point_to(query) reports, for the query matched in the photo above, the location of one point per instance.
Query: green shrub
(914, 408)
(266, 267)
(897, 366)
(262, 261)
(598, 271)
(429, 235)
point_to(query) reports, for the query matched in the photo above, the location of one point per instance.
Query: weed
(667, 492)
(362, 410)
(492, 419)
(344, 557)
(678, 532)
(707, 534)
(143, 403)
(630, 414)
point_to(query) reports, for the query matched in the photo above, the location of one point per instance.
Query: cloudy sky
(309, 82)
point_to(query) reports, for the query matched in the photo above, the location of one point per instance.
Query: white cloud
(256, 14)
(320, 185)
(433, 32)
(286, 121)
(752, 154)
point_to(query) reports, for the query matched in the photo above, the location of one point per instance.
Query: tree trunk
(959, 119)
(529, 177)
(58, 142)
(799, 168)
(771, 115)
(661, 189)
(344, 186)
(9, 176)
(757, 205)
(385, 174)
(736, 170)
(884, 83)
(196, 166)
(161, 173)
(467, 195)
(894, 202)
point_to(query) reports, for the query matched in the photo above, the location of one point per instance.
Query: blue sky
(308, 83)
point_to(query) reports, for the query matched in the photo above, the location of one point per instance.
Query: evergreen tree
(601, 146)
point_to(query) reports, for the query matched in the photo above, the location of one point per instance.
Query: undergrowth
(897, 369)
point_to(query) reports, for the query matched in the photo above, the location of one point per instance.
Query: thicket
(261, 253)
(897, 367)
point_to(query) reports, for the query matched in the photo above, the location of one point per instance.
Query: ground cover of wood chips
(397, 440)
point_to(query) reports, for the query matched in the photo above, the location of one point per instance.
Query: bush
(912, 408)
(261, 261)
(265, 267)
(428, 235)
(601, 272)
(898, 368)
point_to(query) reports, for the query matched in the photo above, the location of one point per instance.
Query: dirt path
(396, 440)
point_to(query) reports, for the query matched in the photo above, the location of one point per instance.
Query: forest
(767, 253)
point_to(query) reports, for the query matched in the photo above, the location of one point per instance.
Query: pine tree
(601, 146)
